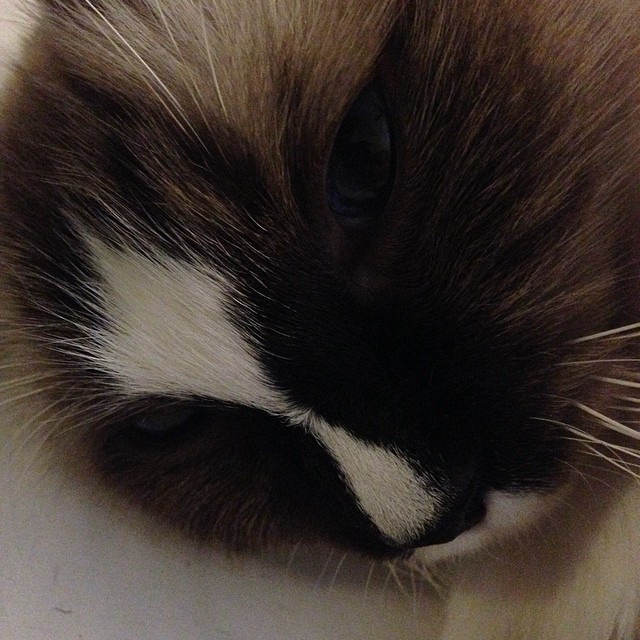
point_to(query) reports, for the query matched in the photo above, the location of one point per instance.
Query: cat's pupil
(166, 420)
(361, 166)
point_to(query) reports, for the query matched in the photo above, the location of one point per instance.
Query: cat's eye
(165, 420)
(361, 166)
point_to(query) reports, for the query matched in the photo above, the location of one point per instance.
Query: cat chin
(509, 516)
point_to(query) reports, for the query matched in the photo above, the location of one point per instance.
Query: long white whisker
(194, 89)
(604, 361)
(606, 334)
(589, 443)
(614, 425)
(628, 399)
(619, 382)
(68, 415)
(323, 572)
(367, 583)
(168, 29)
(616, 463)
(621, 407)
(581, 436)
(393, 571)
(212, 68)
(45, 429)
(22, 364)
(337, 571)
(27, 394)
(599, 454)
(167, 92)
(292, 556)
(586, 478)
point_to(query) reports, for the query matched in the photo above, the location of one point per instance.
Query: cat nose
(468, 511)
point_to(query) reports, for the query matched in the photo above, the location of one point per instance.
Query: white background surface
(73, 569)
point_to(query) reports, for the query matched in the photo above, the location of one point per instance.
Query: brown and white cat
(364, 271)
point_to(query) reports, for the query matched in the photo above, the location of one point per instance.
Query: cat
(358, 271)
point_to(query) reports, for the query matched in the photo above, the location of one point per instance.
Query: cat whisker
(182, 121)
(323, 572)
(623, 466)
(20, 381)
(168, 30)
(619, 382)
(604, 420)
(69, 415)
(292, 556)
(334, 578)
(193, 87)
(611, 333)
(36, 439)
(597, 361)
(367, 584)
(592, 451)
(393, 573)
(585, 437)
(590, 478)
(427, 576)
(27, 394)
(580, 472)
(629, 399)
(212, 68)
(620, 407)
(22, 364)
(590, 443)
(414, 590)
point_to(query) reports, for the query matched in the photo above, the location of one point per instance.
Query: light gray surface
(72, 568)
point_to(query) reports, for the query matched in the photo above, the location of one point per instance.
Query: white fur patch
(169, 331)
(388, 489)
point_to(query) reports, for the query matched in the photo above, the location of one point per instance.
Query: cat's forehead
(224, 60)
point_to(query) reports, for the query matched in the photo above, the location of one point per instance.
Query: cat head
(299, 269)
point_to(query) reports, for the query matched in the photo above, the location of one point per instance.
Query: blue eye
(361, 167)
(166, 421)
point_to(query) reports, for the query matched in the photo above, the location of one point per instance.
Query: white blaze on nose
(387, 488)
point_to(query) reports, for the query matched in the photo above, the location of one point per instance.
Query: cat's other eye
(166, 420)
(361, 166)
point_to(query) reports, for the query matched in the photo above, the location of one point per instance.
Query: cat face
(323, 269)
